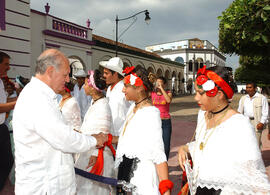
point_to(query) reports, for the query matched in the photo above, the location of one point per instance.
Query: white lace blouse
(230, 160)
(142, 138)
(71, 113)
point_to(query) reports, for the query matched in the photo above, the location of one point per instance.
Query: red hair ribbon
(67, 90)
(134, 80)
(204, 75)
(221, 83)
(97, 169)
(128, 70)
(165, 185)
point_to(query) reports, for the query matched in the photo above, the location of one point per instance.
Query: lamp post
(193, 68)
(147, 20)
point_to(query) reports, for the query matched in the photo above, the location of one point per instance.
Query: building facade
(193, 53)
(26, 33)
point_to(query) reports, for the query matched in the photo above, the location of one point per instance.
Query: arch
(179, 59)
(105, 58)
(75, 63)
(167, 75)
(140, 64)
(174, 73)
(150, 69)
(159, 72)
(200, 62)
(126, 62)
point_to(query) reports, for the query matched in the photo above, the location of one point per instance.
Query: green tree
(255, 68)
(244, 28)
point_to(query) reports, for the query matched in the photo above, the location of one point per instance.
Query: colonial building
(25, 33)
(194, 53)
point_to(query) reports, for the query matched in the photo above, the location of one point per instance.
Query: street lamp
(193, 75)
(147, 20)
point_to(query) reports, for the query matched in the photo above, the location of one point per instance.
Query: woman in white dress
(97, 119)
(225, 154)
(70, 108)
(140, 152)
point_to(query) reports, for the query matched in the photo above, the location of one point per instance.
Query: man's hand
(101, 139)
(260, 126)
(92, 161)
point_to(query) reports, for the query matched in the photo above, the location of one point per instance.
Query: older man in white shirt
(113, 73)
(43, 142)
(255, 107)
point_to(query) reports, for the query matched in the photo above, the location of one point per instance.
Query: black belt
(251, 118)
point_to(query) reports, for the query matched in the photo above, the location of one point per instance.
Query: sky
(171, 20)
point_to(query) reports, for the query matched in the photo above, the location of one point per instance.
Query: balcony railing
(69, 29)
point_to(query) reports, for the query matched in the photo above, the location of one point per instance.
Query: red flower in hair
(128, 70)
(201, 79)
(212, 92)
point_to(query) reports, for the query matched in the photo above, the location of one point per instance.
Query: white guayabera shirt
(119, 106)
(44, 143)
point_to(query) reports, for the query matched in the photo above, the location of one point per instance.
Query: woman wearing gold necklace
(226, 157)
(140, 151)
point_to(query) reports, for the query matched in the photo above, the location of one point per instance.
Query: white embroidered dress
(143, 139)
(97, 119)
(71, 113)
(230, 160)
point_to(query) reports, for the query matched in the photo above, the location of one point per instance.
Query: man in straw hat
(113, 74)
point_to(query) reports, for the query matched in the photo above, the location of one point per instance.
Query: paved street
(184, 117)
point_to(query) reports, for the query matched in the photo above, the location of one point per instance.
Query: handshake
(101, 139)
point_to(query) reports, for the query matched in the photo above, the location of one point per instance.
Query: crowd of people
(116, 123)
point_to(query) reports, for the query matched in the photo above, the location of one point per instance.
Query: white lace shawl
(98, 118)
(142, 137)
(71, 113)
(231, 160)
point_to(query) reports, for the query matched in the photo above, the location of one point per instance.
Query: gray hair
(48, 58)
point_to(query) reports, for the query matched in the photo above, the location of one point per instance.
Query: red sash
(97, 169)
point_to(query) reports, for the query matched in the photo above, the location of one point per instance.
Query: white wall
(16, 39)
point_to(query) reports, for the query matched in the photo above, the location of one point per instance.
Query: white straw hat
(80, 73)
(115, 64)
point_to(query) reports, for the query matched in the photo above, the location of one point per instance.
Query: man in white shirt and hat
(79, 93)
(44, 143)
(113, 73)
(255, 107)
